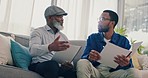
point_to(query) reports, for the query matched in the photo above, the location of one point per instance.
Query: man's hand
(94, 56)
(122, 60)
(66, 66)
(58, 45)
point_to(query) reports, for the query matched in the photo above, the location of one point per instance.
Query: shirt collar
(49, 29)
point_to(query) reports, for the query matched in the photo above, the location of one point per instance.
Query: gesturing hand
(58, 45)
(122, 60)
(94, 56)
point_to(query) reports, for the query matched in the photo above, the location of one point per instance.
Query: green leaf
(121, 31)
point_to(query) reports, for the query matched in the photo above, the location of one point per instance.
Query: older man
(47, 40)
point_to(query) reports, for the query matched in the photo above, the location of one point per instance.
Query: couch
(9, 71)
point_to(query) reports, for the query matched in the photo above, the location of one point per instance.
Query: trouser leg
(71, 73)
(86, 70)
(129, 73)
(48, 69)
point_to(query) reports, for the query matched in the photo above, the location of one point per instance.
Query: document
(135, 46)
(110, 51)
(67, 55)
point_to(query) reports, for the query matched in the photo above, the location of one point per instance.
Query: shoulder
(95, 36)
(116, 35)
(38, 31)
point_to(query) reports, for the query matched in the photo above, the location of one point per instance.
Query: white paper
(67, 55)
(110, 51)
(135, 46)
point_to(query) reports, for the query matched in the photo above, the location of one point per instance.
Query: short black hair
(113, 15)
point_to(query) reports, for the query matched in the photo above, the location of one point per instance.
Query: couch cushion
(145, 63)
(7, 71)
(141, 60)
(5, 54)
(20, 54)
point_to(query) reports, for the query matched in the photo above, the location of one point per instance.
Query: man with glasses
(89, 67)
(45, 42)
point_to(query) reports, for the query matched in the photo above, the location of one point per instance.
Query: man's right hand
(58, 45)
(94, 56)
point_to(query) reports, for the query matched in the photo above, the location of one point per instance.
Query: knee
(83, 63)
(53, 63)
(134, 72)
(50, 65)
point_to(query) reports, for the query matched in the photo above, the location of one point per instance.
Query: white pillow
(145, 63)
(5, 53)
(141, 60)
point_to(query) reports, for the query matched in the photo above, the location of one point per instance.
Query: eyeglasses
(104, 19)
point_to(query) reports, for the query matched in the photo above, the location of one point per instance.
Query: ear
(113, 23)
(49, 17)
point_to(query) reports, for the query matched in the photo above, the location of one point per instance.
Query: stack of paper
(110, 51)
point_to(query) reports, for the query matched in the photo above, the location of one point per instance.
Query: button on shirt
(96, 42)
(39, 41)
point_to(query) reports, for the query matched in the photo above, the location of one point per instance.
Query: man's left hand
(122, 60)
(67, 66)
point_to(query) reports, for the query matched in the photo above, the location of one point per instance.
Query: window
(136, 20)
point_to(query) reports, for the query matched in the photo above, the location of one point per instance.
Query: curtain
(21, 16)
(18, 16)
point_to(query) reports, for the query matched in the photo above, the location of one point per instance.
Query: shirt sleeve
(87, 49)
(35, 46)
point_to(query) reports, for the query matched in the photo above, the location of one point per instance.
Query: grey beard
(57, 25)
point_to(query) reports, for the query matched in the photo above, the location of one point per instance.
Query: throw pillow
(145, 63)
(5, 54)
(141, 59)
(20, 55)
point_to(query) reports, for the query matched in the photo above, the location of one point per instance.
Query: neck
(55, 30)
(108, 35)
